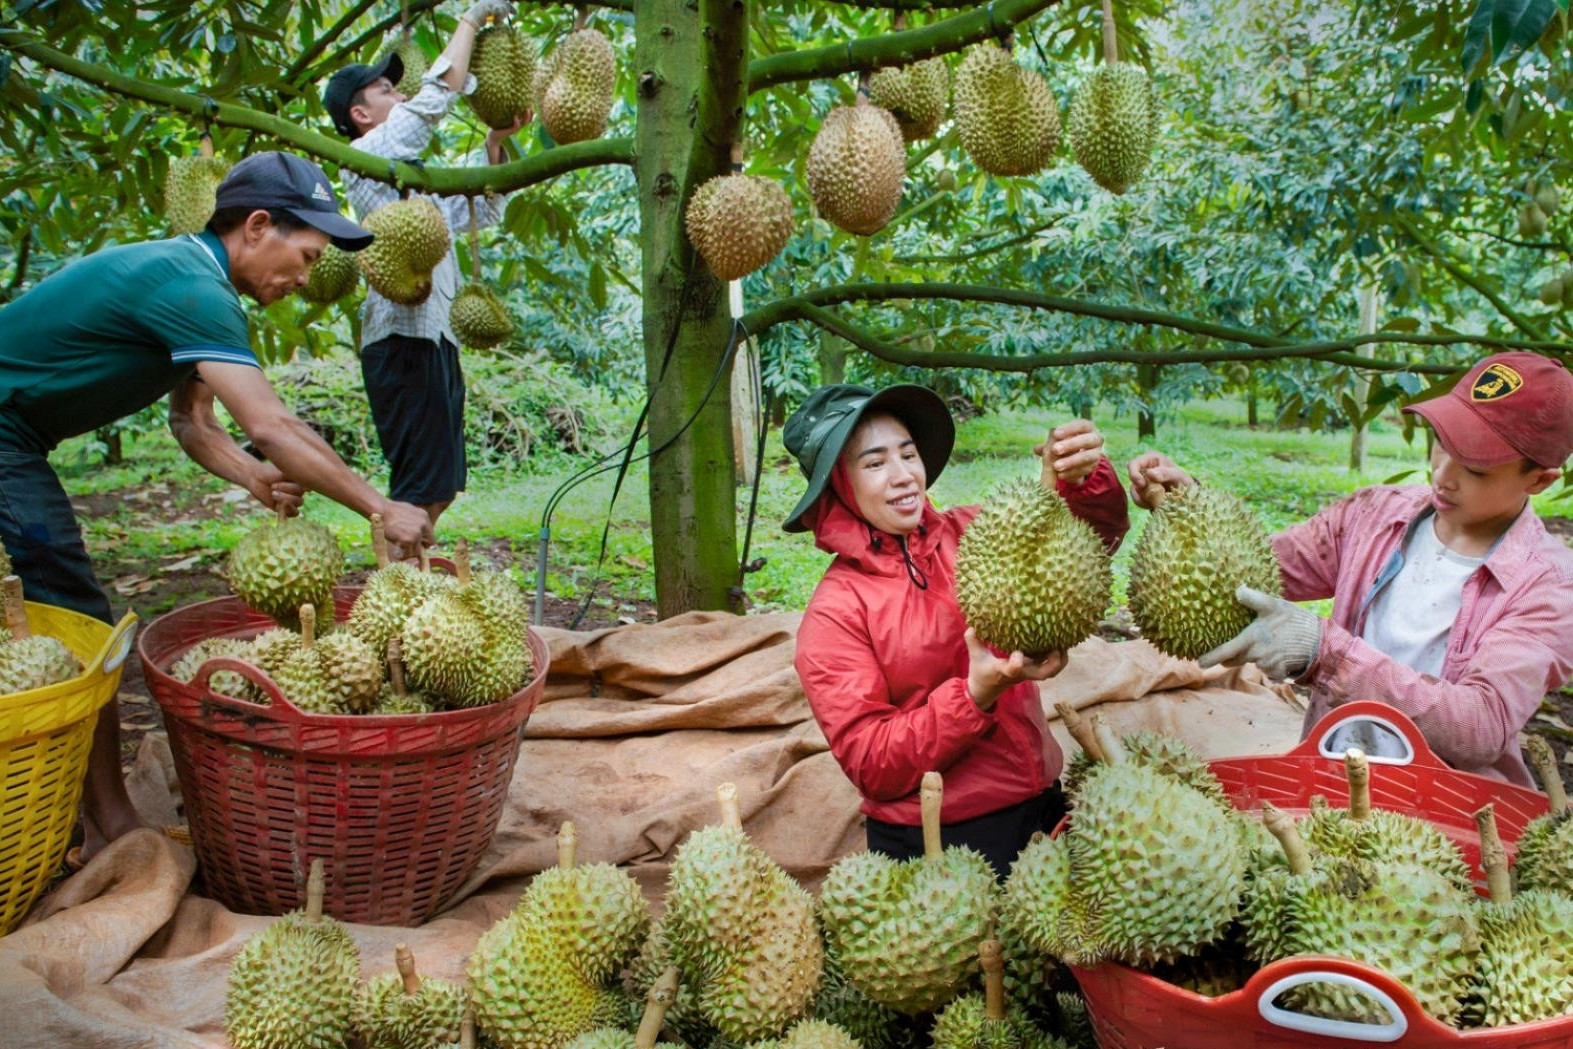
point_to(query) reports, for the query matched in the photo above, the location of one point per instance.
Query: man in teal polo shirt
(109, 335)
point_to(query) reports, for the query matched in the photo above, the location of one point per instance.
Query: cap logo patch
(1494, 383)
(320, 192)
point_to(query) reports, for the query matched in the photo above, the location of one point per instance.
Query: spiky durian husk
(1075, 1025)
(503, 62)
(389, 596)
(818, 1034)
(965, 1024)
(596, 909)
(916, 96)
(280, 566)
(1112, 123)
(1199, 547)
(5, 563)
(441, 639)
(1035, 896)
(292, 986)
(34, 662)
(575, 87)
(873, 1025)
(738, 223)
(224, 682)
(270, 649)
(503, 664)
(415, 66)
(1160, 752)
(683, 1017)
(391, 702)
(337, 674)
(613, 1038)
(389, 1018)
(1545, 854)
(411, 239)
(1385, 836)
(907, 932)
(1524, 972)
(855, 167)
(334, 275)
(190, 189)
(1006, 115)
(1030, 575)
(479, 318)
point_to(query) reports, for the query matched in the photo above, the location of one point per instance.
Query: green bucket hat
(817, 431)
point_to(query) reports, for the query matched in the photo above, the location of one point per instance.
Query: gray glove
(477, 13)
(1282, 640)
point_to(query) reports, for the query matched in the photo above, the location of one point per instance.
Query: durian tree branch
(443, 181)
(890, 49)
(989, 249)
(905, 5)
(1446, 260)
(332, 34)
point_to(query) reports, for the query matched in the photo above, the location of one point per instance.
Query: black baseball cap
(292, 184)
(343, 85)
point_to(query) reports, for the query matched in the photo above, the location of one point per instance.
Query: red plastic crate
(400, 808)
(1135, 1010)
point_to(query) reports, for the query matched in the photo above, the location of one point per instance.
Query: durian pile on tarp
(636, 728)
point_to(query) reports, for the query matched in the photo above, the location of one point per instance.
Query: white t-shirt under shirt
(1412, 616)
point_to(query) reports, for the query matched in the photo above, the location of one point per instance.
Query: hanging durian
(413, 61)
(1200, 545)
(1006, 115)
(1031, 576)
(403, 1011)
(1113, 119)
(28, 660)
(334, 275)
(916, 96)
(191, 187)
(477, 315)
(575, 86)
(906, 933)
(738, 223)
(503, 63)
(855, 167)
(277, 567)
(292, 986)
(1545, 848)
(411, 238)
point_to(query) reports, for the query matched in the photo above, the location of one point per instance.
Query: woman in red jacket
(897, 681)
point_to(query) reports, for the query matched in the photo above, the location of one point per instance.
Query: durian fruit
(906, 933)
(916, 96)
(479, 318)
(1157, 750)
(1199, 546)
(855, 167)
(683, 1016)
(1524, 972)
(816, 1034)
(411, 239)
(503, 63)
(741, 930)
(1112, 123)
(658, 1002)
(1545, 848)
(739, 223)
(414, 62)
(874, 1026)
(334, 674)
(1547, 197)
(1032, 977)
(395, 697)
(470, 645)
(224, 682)
(1006, 115)
(28, 660)
(987, 1021)
(292, 986)
(575, 86)
(1407, 921)
(403, 1011)
(1073, 1021)
(1031, 576)
(1531, 220)
(391, 593)
(277, 567)
(271, 649)
(191, 187)
(540, 977)
(334, 275)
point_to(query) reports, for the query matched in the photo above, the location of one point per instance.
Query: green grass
(1286, 475)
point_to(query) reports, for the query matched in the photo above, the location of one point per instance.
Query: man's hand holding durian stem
(1282, 639)
(1077, 447)
(477, 13)
(1152, 473)
(989, 675)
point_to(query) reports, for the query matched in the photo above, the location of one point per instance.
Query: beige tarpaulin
(637, 727)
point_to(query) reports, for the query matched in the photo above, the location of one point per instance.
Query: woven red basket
(400, 808)
(1135, 1010)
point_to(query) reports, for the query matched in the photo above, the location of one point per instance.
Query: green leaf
(1399, 477)
(1508, 27)
(597, 285)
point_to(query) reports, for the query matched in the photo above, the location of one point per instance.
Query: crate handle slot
(1408, 1018)
(118, 646)
(1367, 724)
(277, 708)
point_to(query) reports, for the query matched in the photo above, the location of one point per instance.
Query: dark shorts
(999, 836)
(38, 529)
(416, 392)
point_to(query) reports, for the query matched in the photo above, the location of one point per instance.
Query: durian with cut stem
(658, 1001)
(292, 986)
(987, 1021)
(1545, 848)
(391, 593)
(335, 674)
(402, 1010)
(291, 561)
(395, 697)
(470, 645)
(29, 660)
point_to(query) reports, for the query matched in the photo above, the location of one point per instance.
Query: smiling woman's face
(889, 482)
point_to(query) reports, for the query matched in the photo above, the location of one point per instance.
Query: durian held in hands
(503, 63)
(1031, 576)
(291, 561)
(28, 660)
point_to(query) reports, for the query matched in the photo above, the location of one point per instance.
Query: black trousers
(999, 835)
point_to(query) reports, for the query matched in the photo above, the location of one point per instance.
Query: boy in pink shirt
(1451, 601)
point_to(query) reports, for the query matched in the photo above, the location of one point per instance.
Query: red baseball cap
(1510, 406)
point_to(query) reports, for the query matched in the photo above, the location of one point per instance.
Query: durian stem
(898, 23)
(737, 158)
(1108, 742)
(1111, 46)
(567, 844)
(1493, 856)
(475, 242)
(280, 514)
(404, 961)
(1282, 827)
(424, 556)
(379, 541)
(582, 19)
(1545, 764)
(726, 797)
(205, 142)
(930, 797)
(461, 561)
(1358, 769)
(316, 890)
(1080, 729)
(1154, 495)
(1319, 803)
(396, 666)
(656, 1003)
(15, 610)
(467, 1027)
(308, 625)
(992, 960)
(1049, 477)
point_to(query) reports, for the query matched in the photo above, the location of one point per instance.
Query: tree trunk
(747, 398)
(1250, 406)
(1370, 299)
(690, 99)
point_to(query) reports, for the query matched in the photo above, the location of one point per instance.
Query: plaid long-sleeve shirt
(403, 136)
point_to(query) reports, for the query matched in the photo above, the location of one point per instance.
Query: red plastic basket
(400, 808)
(1136, 1010)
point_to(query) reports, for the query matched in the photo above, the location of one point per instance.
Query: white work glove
(1282, 639)
(477, 13)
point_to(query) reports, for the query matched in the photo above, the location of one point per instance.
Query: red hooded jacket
(884, 664)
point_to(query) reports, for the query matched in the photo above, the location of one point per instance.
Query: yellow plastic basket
(45, 736)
